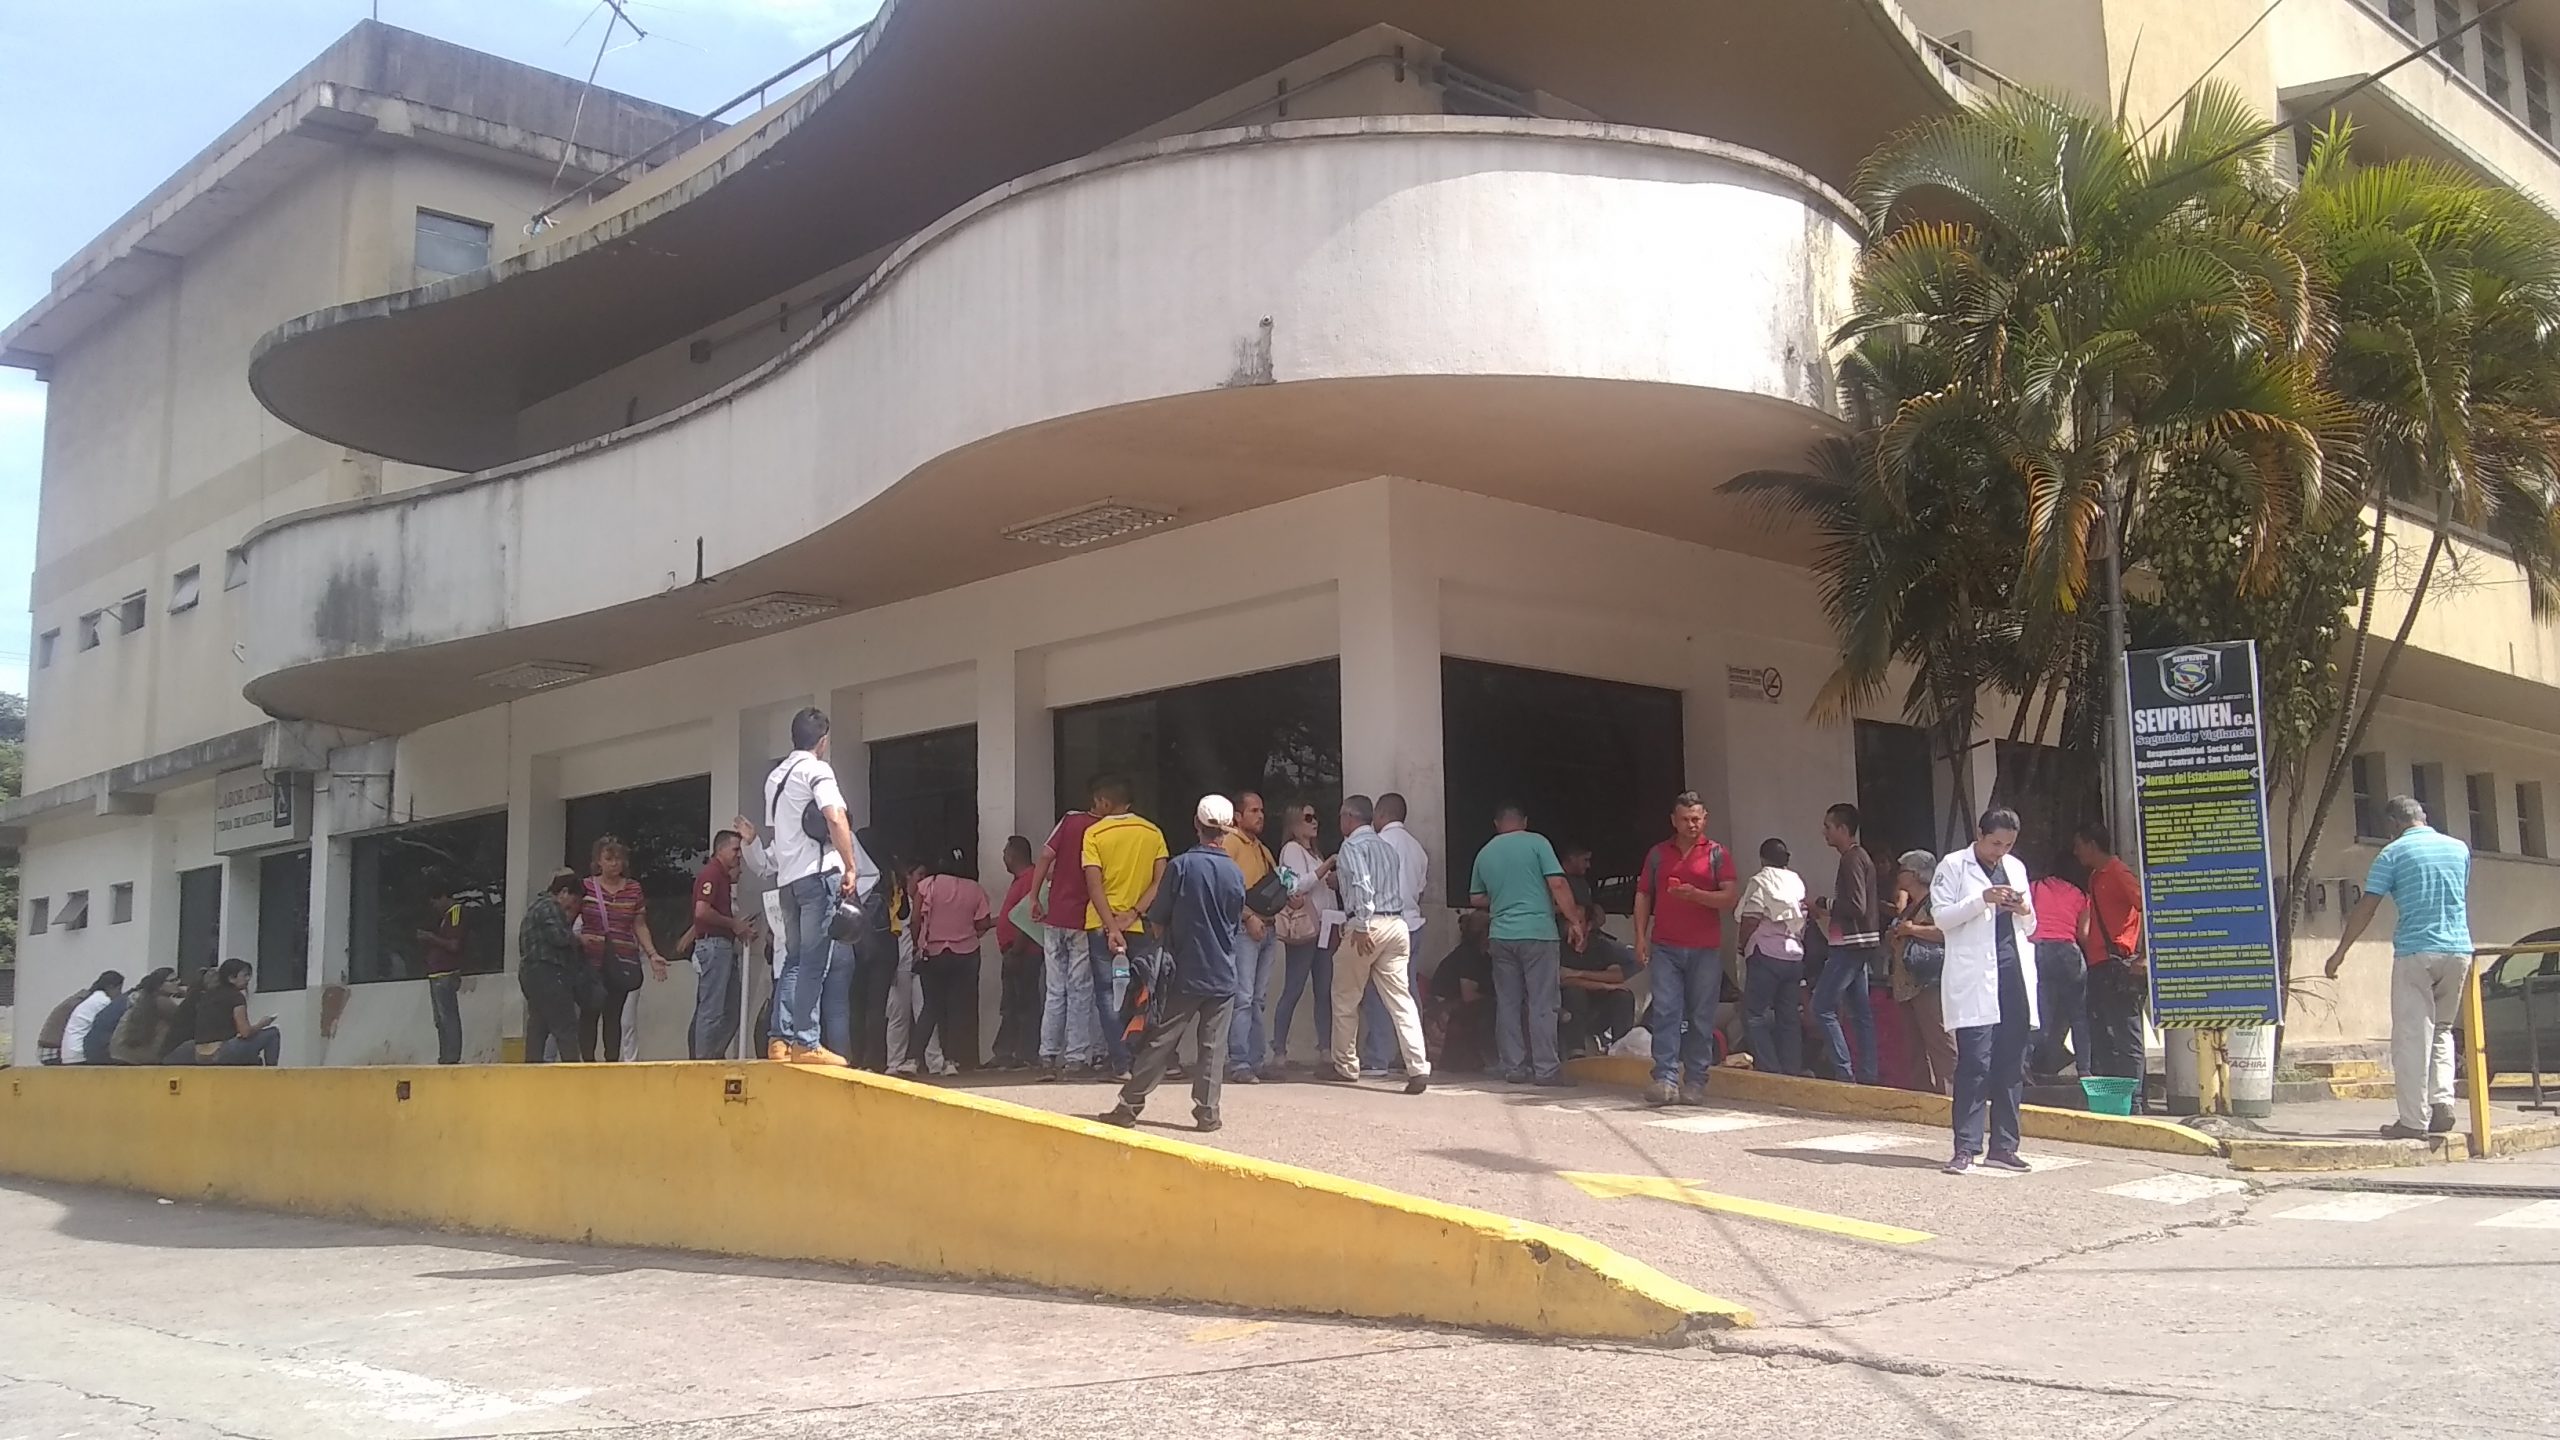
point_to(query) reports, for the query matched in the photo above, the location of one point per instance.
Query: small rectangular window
(2533, 828)
(2448, 20)
(46, 644)
(235, 569)
(2493, 65)
(131, 611)
(186, 588)
(120, 903)
(2481, 791)
(450, 245)
(90, 629)
(2404, 13)
(2365, 773)
(2426, 786)
(39, 914)
(2537, 93)
(74, 914)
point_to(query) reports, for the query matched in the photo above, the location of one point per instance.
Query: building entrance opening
(199, 919)
(924, 798)
(395, 876)
(284, 920)
(1594, 762)
(1897, 803)
(1278, 732)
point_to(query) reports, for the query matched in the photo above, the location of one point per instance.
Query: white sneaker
(946, 1068)
(904, 1067)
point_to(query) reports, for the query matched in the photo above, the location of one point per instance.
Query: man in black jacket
(549, 970)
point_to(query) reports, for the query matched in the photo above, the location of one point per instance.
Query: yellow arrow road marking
(1687, 1192)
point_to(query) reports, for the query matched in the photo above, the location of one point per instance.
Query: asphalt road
(2050, 1305)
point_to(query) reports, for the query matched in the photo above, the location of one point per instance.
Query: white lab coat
(1970, 993)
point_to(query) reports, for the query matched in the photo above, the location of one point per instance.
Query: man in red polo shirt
(1682, 892)
(1070, 1026)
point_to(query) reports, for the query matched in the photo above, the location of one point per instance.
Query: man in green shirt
(1518, 879)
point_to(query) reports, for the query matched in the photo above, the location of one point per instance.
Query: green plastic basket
(2110, 1094)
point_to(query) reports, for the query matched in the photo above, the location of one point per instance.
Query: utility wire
(2207, 73)
(569, 145)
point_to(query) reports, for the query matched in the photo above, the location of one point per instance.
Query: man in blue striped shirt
(1376, 946)
(2427, 875)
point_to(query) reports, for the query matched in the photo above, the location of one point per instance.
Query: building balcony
(1589, 318)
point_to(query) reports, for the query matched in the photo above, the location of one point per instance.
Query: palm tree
(1921, 575)
(2444, 295)
(2110, 310)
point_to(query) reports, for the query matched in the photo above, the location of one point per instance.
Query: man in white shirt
(84, 1016)
(1413, 870)
(812, 873)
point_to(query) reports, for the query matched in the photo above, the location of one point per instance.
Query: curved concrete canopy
(1578, 316)
(946, 98)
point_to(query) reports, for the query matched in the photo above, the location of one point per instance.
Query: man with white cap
(1198, 917)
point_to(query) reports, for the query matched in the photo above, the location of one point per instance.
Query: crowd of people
(1972, 974)
(161, 1020)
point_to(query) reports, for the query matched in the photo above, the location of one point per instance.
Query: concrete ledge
(781, 1162)
(1876, 1102)
(2374, 1154)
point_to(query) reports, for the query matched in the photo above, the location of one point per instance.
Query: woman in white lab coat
(1979, 897)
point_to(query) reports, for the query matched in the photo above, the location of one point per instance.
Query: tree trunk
(2341, 754)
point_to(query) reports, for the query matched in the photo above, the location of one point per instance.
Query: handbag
(620, 973)
(1267, 896)
(1296, 924)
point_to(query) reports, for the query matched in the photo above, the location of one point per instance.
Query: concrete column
(239, 930)
(326, 965)
(537, 828)
(850, 753)
(1017, 761)
(1388, 611)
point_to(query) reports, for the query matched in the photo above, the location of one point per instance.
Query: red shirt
(713, 887)
(2115, 903)
(1007, 936)
(1677, 922)
(1066, 873)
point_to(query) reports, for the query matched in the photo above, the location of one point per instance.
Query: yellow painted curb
(1911, 1107)
(789, 1163)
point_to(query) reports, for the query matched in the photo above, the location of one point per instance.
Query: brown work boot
(777, 1050)
(816, 1055)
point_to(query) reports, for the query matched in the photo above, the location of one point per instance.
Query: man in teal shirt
(1517, 878)
(2427, 875)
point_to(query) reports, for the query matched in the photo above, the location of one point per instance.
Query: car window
(2510, 972)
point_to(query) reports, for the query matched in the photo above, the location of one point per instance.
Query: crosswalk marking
(2174, 1187)
(2036, 1165)
(2540, 1215)
(1716, 1122)
(2356, 1207)
(1854, 1143)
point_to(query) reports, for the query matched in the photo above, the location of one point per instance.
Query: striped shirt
(1368, 877)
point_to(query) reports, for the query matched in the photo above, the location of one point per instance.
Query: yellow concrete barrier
(1877, 1102)
(786, 1163)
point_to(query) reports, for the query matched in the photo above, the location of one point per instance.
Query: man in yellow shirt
(1123, 860)
(1257, 947)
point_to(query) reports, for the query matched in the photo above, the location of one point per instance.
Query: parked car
(2502, 1006)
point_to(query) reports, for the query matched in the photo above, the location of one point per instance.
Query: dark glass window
(392, 878)
(2404, 13)
(1594, 763)
(2449, 20)
(666, 827)
(1897, 788)
(284, 920)
(2054, 792)
(1278, 733)
(199, 919)
(450, 245)
(2365, 772)
(924, 797)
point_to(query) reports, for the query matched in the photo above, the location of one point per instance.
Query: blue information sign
(2200, 792)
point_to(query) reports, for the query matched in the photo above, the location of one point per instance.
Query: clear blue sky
(107, 98)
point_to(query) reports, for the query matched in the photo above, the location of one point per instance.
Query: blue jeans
(715, 998)
(807, 904)
(1773, 1013)
(1525, 996)
(1253, 980)
(1844, 986)
(1068, 1018)
(2062, 993)
(1297, 963)
(444, 993)
(1687, 982)
(1991, 1072)
(266, 1047)
(1107, 992)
